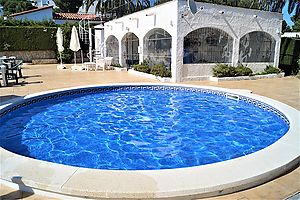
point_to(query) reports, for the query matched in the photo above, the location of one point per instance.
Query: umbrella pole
(75, 57)
(60, 58)
(81, 57)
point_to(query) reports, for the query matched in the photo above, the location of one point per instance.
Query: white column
(177, 58)
(120, 53)
(235, 51)
(141, 49)
(277, 52)
(90, 45)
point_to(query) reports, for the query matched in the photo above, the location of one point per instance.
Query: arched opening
(112, 47)
(207, 45)
(257, 46)
(130, 45)
(157, 47)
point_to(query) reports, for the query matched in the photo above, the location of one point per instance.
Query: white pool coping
(186, 183)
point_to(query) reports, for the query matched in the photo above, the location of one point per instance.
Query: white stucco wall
(178, 21)
(234, 21)
(39, 15)
(162, 16)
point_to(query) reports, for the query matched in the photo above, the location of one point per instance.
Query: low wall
(28, 56)
(202, 71)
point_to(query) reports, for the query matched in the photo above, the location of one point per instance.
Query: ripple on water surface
(140, 130)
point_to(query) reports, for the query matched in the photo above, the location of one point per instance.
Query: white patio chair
(78, 68)
(108, 62)
(3, 74)
(100, 64)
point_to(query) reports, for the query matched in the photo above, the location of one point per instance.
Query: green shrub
(67, 55)
(289, 55)
(31, 23)
(27, 38)
(271, 70)
(160, 70)
(117, 65)
(243, 71)
(145, 63)
(142, 68)
(223, 70)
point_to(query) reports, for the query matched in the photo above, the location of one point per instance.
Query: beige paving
(46, 77)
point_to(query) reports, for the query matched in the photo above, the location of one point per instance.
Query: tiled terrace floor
(46, 77)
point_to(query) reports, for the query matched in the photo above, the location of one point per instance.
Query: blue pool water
(139, 129)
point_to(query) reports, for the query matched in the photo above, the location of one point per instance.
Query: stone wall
(28, 56)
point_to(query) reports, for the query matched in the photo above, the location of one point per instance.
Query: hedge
(289, 55)
(27, 38)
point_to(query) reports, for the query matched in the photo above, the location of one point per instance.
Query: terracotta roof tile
(75, 16)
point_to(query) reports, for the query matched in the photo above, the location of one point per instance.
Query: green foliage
(142, 68)
(285, 27)
(27, 38)
(289, 55)
(243, 71)
(117, 65)
(68, 6)
(145, 63)
(296, 27)
(271, 70)
(223, 70)
(115, 9)
(13, 22)
(67, 54)
(160, 70)
(34, 36)
(14, 6)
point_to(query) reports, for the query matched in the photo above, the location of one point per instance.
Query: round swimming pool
(201, 141)
(140, 127)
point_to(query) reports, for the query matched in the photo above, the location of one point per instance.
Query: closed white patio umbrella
(74, 44)
(60, 47)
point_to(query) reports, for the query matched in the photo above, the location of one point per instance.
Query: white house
(190, 44)
(37, 14)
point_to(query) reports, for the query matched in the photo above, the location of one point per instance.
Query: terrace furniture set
(10, 68)
(99, 63)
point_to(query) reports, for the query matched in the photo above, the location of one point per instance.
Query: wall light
(221, 12)
(137, 20)
(254, 16)
(122, 23)
(154, 17)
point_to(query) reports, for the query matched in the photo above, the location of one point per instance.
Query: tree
(296, 26)
(117, 8)
(15, 6)
(68, 6)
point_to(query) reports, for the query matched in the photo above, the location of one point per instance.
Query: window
(112, 47)
(257, 47)
(207, 45)
(157, 47)
(130, 45)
